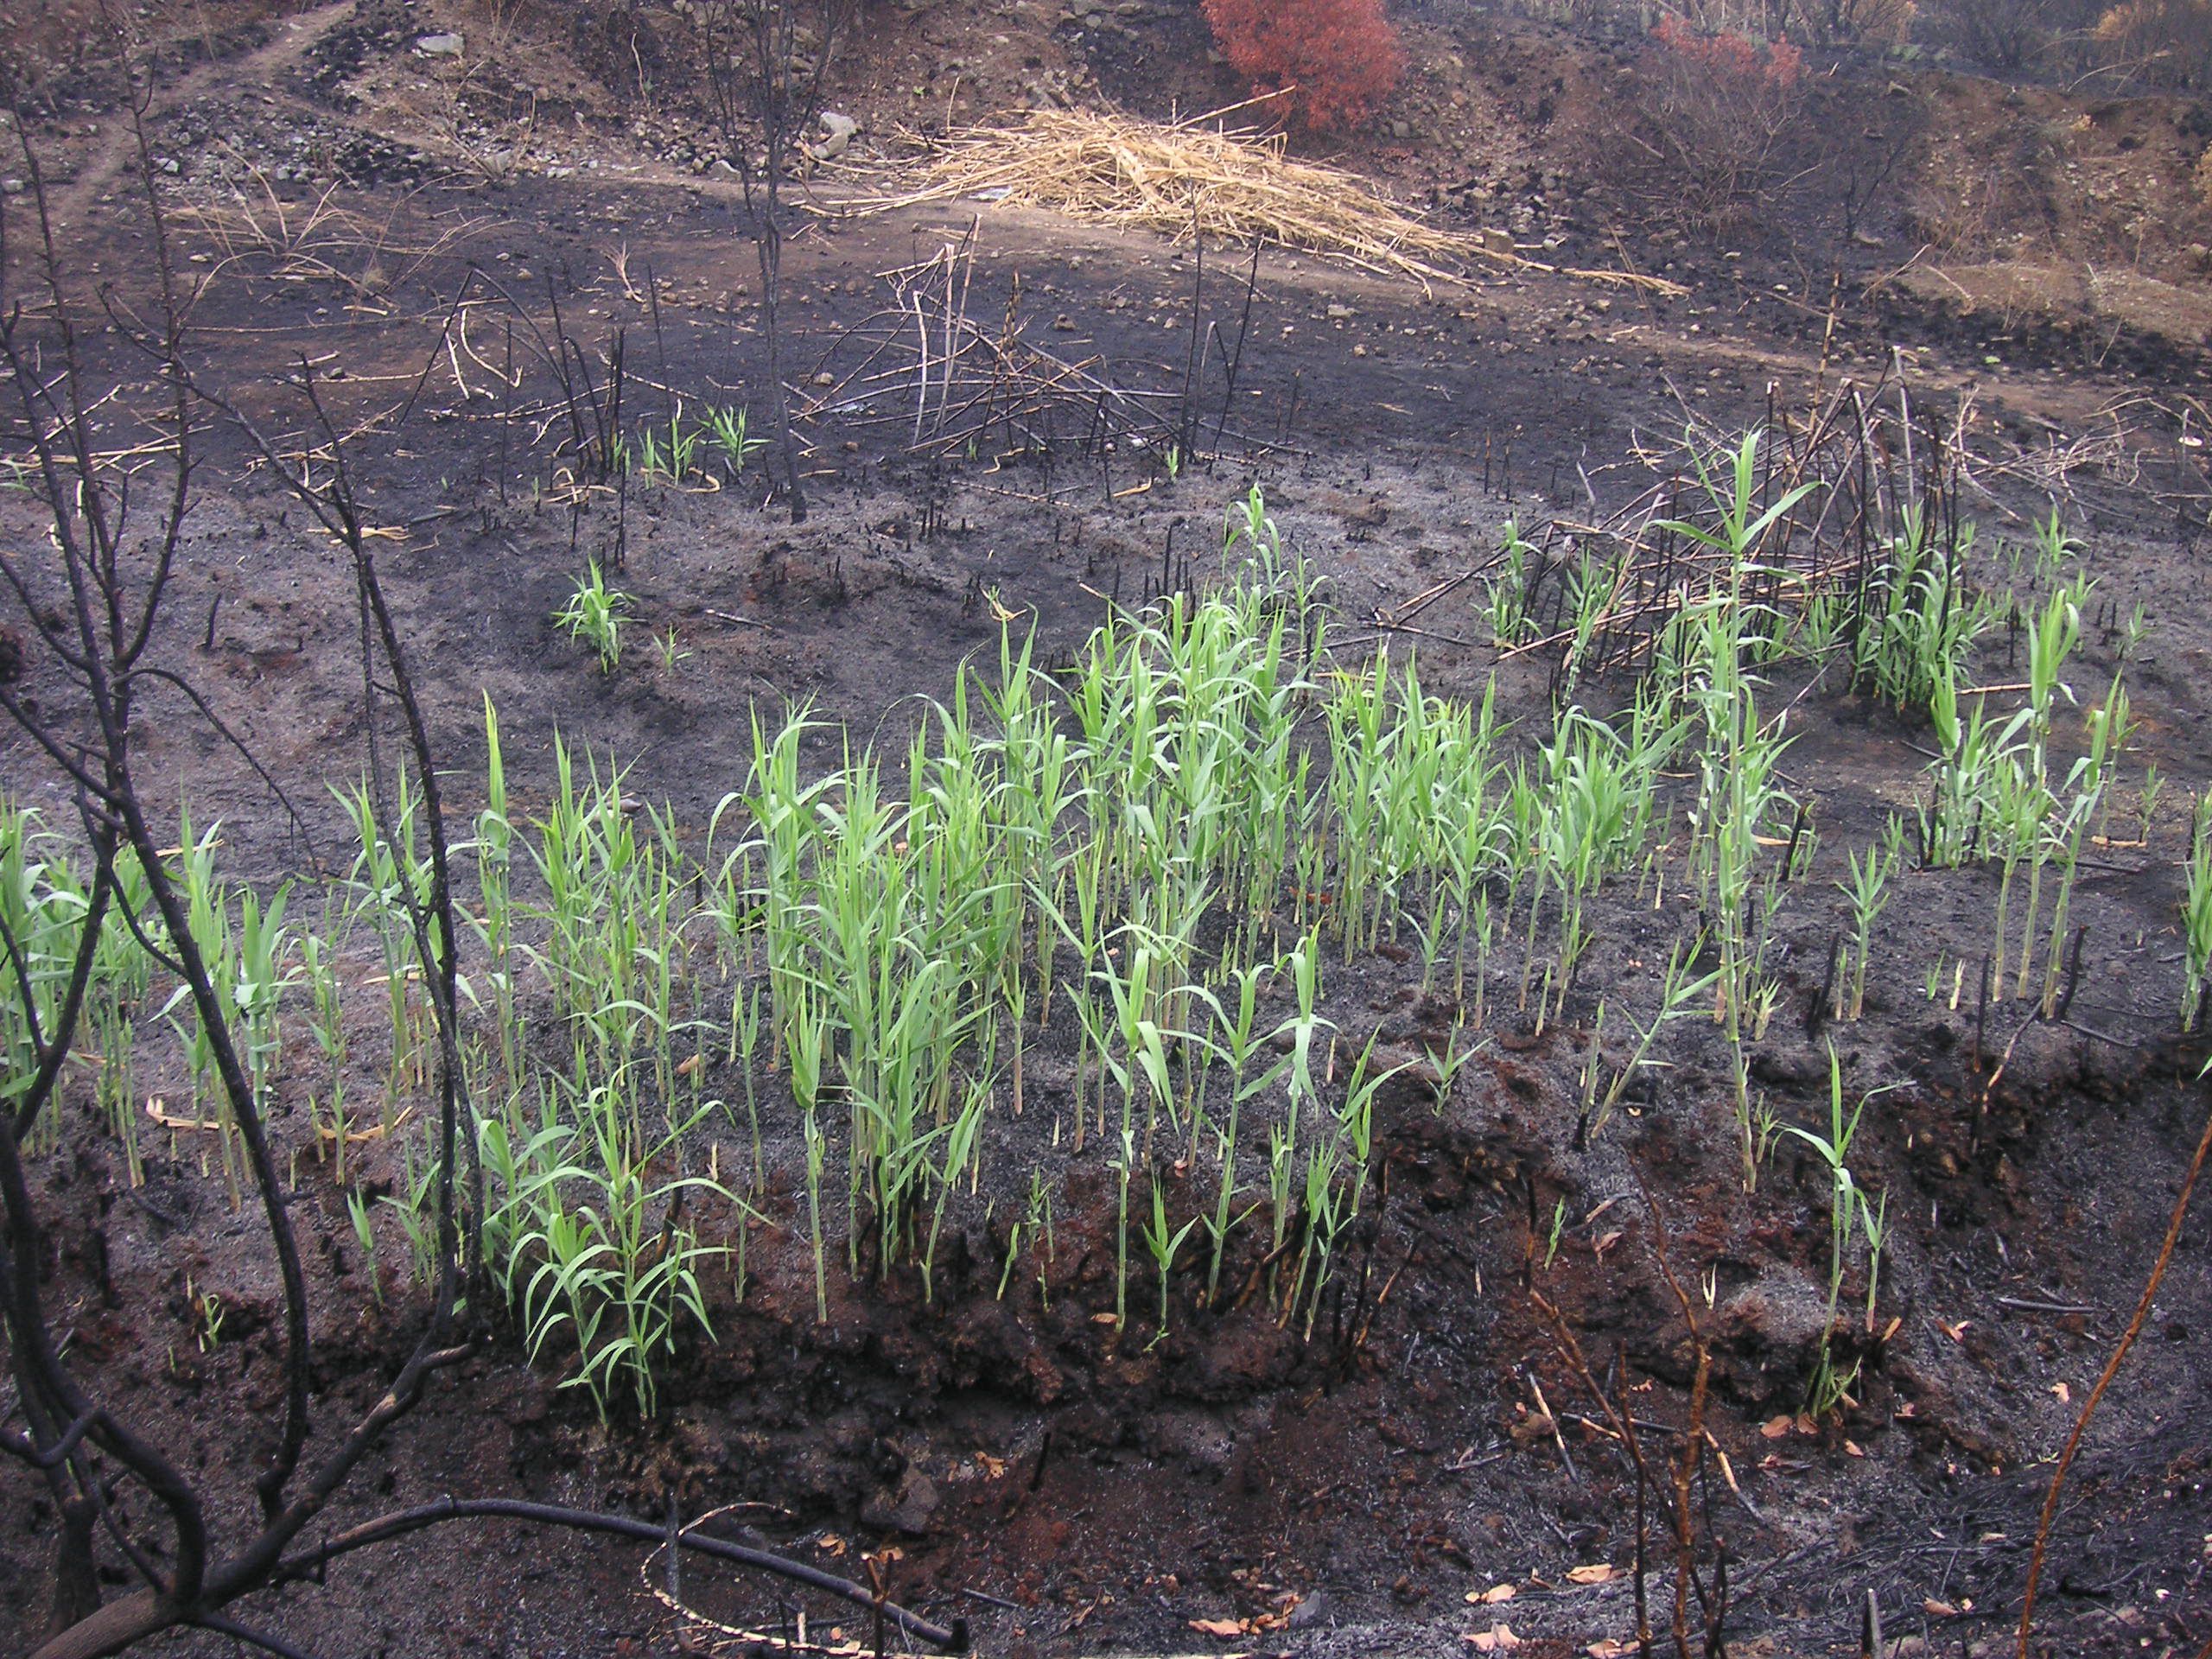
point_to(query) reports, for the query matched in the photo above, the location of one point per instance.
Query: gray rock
(439, 45)
(1781, 1317)
(837, 132)
(908, 1509)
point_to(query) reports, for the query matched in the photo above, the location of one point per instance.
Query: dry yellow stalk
(1188, 178)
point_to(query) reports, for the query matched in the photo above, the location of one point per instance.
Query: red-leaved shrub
(1735, 59)
(1715, 112)
(1340, 55)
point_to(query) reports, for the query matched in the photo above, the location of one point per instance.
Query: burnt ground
(1345, 1494)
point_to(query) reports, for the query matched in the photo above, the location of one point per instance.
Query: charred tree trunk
(769, 240)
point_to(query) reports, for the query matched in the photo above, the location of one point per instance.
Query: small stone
(11, 186)
(439, 45)
(1340, 313)
(1401, 130)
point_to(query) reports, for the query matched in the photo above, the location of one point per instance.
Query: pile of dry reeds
(1192, 179)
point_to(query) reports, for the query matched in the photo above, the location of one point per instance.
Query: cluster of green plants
(1856, 1218)
(43, 904)
(594, 614)
(1999, 795)
(674, 450)
(2197, 915)
(1898, 624)
(1146, 862)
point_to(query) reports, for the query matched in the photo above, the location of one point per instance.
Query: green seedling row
(1078, 925)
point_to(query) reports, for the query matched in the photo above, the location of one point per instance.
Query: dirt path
(71, 203)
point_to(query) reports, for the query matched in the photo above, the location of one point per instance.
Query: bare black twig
(766, 64)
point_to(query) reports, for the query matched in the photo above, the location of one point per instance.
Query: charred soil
(1428, 1450)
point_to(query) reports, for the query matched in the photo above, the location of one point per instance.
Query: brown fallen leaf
(1495, 1594)
(1955, 1333)
(1596, 1573)
(1939, 1609)
(1852, 1448)
(1529, 1427)
(1219, 1626)
(1499, 1638)
(1775, 1428)
(2065, 1394)
(1609, 1647)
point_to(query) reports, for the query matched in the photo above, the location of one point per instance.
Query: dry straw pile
(1195, 179)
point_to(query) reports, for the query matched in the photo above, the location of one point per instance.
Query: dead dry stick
(1558, 1439)
(2112, 1368)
